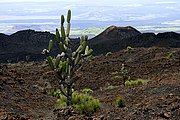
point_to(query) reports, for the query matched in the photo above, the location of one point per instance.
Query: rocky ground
(23, 85)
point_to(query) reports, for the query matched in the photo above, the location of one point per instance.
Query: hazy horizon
(43, 15)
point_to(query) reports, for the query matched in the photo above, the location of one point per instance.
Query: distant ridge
(117, 38)
(29, 43)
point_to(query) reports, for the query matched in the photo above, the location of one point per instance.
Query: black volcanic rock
(117, 38)
(3, 41)
(112, 39)
(28, 44)
(24, 44)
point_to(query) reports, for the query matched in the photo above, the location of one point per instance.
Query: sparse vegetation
(87, 91)
(84, 103)
(31, 79)
(122, 74)
(120, 102)
(135, 82)
(170, 56)
(111, 87)
(116, 77)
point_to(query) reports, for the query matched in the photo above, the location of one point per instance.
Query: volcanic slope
(22, 87)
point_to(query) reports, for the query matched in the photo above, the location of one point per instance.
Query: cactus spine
(67, 61)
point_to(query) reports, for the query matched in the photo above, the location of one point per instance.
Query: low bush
(84, 103)
(135, 82)
(122, 74)
(120, 102)
(170, 56)
(116, 77)
(87, 91)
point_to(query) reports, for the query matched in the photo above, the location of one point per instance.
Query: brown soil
(23, 85)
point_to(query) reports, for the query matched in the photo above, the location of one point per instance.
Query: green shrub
(120, 102)
(170, 56)
(84, 103)
(140, 82)
(88, 106)
(116, 77)
(87, 91)
(135, 82)
(110, 87)
(128, 83)
(122, 74)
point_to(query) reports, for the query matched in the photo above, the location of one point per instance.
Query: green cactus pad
(69, 16)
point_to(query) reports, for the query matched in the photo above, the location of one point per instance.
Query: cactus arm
(68, 29)
(61, 47)
(62, 20)
(69, 16)
(63, 33)
(57, 35)
(50, 45)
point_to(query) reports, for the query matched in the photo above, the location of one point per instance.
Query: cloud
(177, 9)
(166, 2)
(93, 16)
(145, 17)
(7, 17)
(15, 1)
(132, 5)
(172, 23)
(36, 10)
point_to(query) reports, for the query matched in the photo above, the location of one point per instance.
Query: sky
(96, 2)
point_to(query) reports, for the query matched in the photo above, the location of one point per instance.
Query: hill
(27, 45)
(117, 38)
(23, 86)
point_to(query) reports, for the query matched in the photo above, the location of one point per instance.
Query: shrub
(84, 103)
(128, 83)
(116, 77)
(121, 74)
(135, 82)
(88, 105)
(170, 56)
(87, 91)
(120, 102)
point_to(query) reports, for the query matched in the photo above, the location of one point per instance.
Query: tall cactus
(67, 61)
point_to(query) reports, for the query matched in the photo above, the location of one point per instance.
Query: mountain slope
(118, 38)
(28, 44)
(23, 86)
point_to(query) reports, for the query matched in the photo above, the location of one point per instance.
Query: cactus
(67, 61)
(122, 74)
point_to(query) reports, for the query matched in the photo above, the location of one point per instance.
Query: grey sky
(98, 2)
